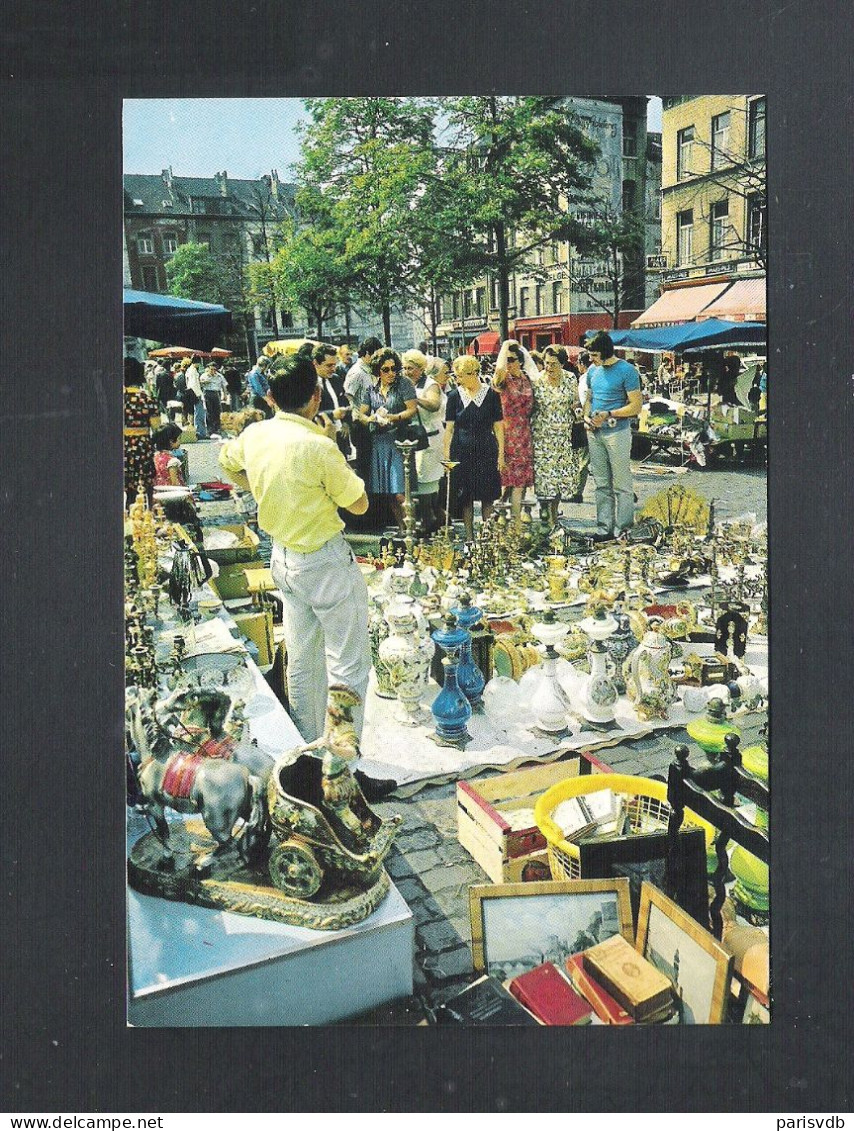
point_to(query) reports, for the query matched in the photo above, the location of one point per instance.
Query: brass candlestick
(406, 447)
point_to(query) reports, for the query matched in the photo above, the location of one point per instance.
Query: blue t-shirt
(609, 386)
(257, 382)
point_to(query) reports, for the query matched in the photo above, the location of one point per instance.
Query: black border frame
(65, 70)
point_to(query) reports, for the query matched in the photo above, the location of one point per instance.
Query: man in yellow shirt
(299, 479)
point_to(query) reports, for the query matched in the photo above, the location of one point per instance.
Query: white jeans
(610, 464)
(326, 629)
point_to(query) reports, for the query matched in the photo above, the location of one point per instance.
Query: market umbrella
(173, 351)
(163, 318)
(217, 351)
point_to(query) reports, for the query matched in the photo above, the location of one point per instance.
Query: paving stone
(423, 861)
(453, 877)
(411, 889)
(398, 866)
(438, 935)
(417, 838)
(455, 963)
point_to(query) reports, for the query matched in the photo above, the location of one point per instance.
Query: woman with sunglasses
(514, 373)
(387, 407)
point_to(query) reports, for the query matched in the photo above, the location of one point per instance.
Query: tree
(511, 171)
(310, 271)
(262, 282)
(193, 272)
(364, 161)
(616, 241)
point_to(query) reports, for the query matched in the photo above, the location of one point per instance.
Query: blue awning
(712, 333)
(164, 318)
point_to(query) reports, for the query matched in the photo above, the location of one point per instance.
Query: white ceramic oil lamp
(407, 654)
(550, 705)
(598, 693)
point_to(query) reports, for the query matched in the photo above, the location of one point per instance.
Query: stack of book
(620, 984)
(542, 996)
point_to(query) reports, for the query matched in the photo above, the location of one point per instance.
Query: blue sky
(198, 137)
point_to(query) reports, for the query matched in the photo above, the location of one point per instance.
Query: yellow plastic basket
(648, 812)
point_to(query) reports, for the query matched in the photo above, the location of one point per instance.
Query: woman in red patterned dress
(513, 373)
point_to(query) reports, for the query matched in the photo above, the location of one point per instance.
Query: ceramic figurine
(648, 682)
(378, 630)
(619, 645)
(407, 654)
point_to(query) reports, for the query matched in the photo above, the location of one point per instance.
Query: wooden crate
(246, 549)
(484, 811)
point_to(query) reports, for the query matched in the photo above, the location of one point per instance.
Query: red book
(546, 993)
(606, 1008)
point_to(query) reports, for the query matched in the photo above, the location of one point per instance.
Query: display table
(407, 754)
(193, 966)
(190, 966)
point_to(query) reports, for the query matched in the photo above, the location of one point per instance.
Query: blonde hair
(414, 357)
(465, 365)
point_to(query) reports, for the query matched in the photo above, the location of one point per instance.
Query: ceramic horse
(185, 771)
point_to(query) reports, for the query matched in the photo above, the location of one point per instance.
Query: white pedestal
(191, 966)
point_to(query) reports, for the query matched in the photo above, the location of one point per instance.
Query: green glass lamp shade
(755, 761)
(751, 879)
(709, 731)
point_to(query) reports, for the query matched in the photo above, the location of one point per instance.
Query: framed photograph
(643, 858)
(515, 927)
(693, 959)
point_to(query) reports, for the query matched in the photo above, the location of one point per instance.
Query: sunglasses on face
(387, 369)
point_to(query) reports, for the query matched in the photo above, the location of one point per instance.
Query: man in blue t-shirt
(613, 398)
(259, 387)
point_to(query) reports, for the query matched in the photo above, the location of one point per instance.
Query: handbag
(415, 430)
(579, 436)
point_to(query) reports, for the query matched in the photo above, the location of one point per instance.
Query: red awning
(487, 342)
(743, 302)
(682, 304)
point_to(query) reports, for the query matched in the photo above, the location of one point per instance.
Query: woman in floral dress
(557, 468)
(514, 373)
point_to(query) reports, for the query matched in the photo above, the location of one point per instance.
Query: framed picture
(693, 959)
(757, 1010)
(643, 858)
(515, 927)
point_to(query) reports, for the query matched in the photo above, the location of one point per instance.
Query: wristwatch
(612, 420)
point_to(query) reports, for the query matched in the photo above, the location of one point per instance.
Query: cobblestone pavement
(431, 870)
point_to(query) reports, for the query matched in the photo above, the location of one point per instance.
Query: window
(204, 238)
(629, 195)
(144, 243)
(467, 304)
(757, 231)
(720, 141)
(684, 152)
(557, 298)
(756, 129)
(538, 295)
(481, 300)
(685, 236)
(456, 306)
(287, 320)
(523, 301)
(719, 222)
(170, 243)
(149, 277)
(630, 138)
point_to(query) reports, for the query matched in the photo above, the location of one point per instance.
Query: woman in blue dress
(387, 407)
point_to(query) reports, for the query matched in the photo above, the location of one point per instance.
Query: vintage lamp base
(245, 889)
(457, 742)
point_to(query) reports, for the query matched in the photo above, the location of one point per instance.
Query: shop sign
(656, 262)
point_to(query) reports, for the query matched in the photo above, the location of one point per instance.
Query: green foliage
(193, 272)
(364, 161)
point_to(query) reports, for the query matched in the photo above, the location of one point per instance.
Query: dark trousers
(214, 409)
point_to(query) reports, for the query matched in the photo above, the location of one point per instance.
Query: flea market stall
(529, 654)
(683, 421)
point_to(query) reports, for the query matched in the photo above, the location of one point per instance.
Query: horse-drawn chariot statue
(323, 867)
